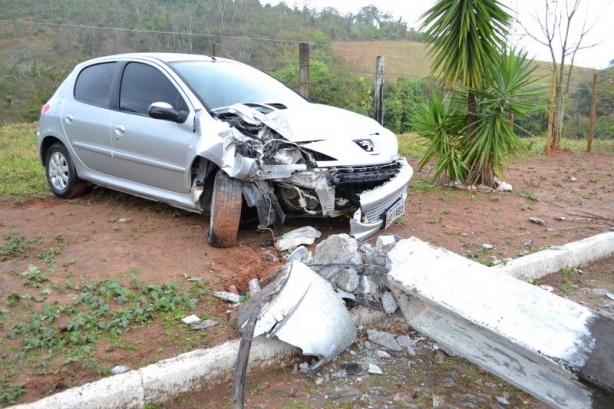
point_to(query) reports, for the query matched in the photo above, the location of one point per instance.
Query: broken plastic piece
(306, 313)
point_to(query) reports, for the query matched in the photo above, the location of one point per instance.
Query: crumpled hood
(335, 132)
(311, 122)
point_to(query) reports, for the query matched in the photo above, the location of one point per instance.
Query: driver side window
(143, 85)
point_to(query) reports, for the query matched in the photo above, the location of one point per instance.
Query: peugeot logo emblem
(367, 145)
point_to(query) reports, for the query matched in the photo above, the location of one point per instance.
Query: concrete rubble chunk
(119, 369)
(389, 303)
(405, 341)
(375, 370)
(372, 255)
(382, 354)
(384, 339)
(385, 243)
(191, 320)
(301, 254)
(304, 235)
(348, 279)
(227, 296)
(336, 249)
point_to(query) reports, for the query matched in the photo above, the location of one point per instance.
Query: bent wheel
(61, 174)
(226, 202)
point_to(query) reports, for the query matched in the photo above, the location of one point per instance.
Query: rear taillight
(44, 109)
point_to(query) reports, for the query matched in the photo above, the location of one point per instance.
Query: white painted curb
(578, 253)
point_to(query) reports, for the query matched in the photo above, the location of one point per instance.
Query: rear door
(151, 151)
(86, 117)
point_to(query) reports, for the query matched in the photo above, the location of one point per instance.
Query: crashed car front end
(284, 174)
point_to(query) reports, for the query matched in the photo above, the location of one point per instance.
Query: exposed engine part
(297, 199)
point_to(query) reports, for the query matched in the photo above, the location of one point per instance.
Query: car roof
(156, 57)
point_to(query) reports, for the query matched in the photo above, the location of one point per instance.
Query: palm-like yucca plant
(443, 125)
(506, 93)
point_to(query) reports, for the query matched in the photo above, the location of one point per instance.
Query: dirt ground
(109, 235)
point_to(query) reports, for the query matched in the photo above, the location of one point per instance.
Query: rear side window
(93, 85)
(143, 85)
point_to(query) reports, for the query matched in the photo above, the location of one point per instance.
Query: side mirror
(164, 111)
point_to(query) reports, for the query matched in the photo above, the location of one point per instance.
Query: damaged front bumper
(375, 204)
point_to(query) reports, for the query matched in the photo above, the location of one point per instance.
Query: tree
(466, 37)
(505, 93)
(563, 34)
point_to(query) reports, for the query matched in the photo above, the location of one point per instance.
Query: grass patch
(20, 170)
(52, 336)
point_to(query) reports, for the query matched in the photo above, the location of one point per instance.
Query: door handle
(69, 118)
(119, 131)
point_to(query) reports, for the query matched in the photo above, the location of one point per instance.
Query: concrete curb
(192, 370)
(577, 253)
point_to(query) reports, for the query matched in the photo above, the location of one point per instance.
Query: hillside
(409, 59)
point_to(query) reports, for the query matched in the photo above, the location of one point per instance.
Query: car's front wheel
(61, 174)
(226, 202)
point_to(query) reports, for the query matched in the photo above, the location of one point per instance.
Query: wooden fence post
(551, 114)
(304, 69)
(379, 90)
(591, 126)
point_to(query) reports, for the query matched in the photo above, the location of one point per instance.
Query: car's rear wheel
(61, 174)
(226, 202)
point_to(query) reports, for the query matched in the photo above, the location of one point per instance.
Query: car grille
(364, 174)
(378, 212)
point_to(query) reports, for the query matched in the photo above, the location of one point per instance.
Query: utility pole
(379, 90)
(304, 69)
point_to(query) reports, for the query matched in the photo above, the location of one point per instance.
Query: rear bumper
(369, 219)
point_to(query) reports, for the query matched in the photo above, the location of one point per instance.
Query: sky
(597, 12)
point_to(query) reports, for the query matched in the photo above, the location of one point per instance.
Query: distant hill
(409, 59)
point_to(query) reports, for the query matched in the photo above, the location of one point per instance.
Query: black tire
(226, 203)
(61, 174)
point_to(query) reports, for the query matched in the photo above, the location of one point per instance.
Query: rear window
(93, 85)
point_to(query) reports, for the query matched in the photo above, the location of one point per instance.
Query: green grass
(20, 170)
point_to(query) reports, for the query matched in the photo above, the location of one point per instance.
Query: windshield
(223, 83)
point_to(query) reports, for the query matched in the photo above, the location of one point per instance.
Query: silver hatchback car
(215, 136)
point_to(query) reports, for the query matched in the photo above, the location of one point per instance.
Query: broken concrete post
(542, 343)
(336, 249)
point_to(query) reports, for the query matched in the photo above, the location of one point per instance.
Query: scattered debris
(227, 296)
(254, 286)
(572, 178)
(487, 246)
(193, 279)
(384, 339)
(610, 296)
(119, 369)
(529, 243)
(301, 254)
(375, 370)
(304, 235)
(547, 288)
(191, 320)
(124, 220)
(537, 221)
(204, 325)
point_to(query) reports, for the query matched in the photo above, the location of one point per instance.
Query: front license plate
(394, 212)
